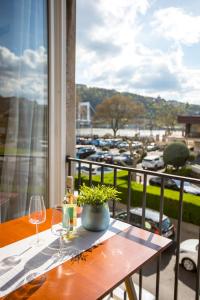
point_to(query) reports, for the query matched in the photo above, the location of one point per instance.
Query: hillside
(96, 95)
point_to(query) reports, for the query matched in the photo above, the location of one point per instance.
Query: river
(123, 132)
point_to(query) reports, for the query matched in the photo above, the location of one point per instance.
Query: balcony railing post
(178, 240)
(144, 195)
(90, 175)
(114, 184)
(129, 197)
(198, 271)
(68, 161)
(79, 175)
(102, 174)
(160, 232)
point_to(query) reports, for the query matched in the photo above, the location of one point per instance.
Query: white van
(153, 162)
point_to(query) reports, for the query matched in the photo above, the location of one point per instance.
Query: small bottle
(71, 203)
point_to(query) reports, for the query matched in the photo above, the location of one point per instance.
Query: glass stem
(60, 249)
(37, 233)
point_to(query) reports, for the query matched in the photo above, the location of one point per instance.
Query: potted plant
(95, 214)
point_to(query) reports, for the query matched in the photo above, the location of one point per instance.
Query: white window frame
(61, 24)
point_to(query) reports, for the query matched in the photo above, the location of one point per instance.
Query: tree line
(119, 109)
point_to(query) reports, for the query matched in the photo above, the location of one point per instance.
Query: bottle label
(71, 214)
(65, 221)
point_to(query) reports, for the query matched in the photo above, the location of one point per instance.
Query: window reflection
(23, 104)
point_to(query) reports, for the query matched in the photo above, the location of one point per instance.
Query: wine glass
(60, 225)
(37, 213)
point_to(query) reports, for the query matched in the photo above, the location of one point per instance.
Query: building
(192, 125)
(192, 130)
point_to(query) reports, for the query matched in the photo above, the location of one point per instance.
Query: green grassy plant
(97, 195)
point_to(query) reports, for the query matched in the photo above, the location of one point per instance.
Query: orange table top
(95, 272)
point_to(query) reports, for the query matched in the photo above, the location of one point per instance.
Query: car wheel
(188, 264)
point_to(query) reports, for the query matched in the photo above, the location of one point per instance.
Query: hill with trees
(158, 112)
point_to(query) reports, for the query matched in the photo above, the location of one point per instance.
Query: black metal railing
(73, 163)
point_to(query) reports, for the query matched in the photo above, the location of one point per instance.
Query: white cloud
(113, 53)
(25, 75)
(108, 45)
(175, 24)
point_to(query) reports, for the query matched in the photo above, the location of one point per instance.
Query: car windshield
(166, 223)
(186, 183)
(148, 159)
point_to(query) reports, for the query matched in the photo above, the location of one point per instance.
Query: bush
(184, 171)
(192, 157)
(176, 154)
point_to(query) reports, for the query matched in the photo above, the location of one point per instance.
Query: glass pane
(23, 104)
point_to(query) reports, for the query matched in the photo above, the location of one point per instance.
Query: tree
(137, 155)
(176, 154)
(118, 111)
(167, 116)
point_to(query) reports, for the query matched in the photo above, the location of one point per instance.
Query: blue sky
(23, 49)
(22, 25)
(149, 47)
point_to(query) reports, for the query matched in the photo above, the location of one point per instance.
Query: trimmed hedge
(191, 203)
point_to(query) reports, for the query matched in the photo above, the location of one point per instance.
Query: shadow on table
(48, 258)
(25, 291)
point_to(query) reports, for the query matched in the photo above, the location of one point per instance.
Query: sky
(23, 49)
(147, 47)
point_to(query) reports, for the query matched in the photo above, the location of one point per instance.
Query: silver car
(188, 254)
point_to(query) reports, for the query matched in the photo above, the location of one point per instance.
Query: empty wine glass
(60, 225)
(37, 212)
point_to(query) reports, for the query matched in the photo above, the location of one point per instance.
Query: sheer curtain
(23, 104)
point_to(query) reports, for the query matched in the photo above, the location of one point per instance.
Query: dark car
(99, 156)
(84, 152)
(122, 159)
(175, 185)
(151, 221)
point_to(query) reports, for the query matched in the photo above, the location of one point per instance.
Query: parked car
(151, 221)
(122, 160)
(122, 145)
(137, 145)
(83, 141)
(101, 143)
(188, 187)
(96, 170)
(99, 156)
(125, 145)
(175, 185)
(188, 254)
(152, 162)
(114, 143)
(83, 152)
(152, 147)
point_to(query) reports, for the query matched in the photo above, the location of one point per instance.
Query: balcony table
(96, 273)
